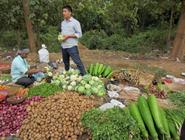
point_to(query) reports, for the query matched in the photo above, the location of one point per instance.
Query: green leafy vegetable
(45, 89)
(112, 124)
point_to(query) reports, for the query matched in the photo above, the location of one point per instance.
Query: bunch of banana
(100, 70)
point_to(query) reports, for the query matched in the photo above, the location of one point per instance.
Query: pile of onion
(11, 116)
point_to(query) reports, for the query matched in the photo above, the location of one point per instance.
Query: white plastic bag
(113, 94)
(43, 54)
(129, 89)
(117, 103)
(106, 106)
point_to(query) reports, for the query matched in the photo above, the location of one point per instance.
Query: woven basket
(14, 101)
(4, 93)
(2, 99)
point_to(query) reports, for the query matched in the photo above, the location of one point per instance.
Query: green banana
(100, 69)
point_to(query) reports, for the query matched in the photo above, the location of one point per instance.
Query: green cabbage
(87, 86)
(94, 90)
(81, 89)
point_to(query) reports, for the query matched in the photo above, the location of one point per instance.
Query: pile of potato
(57, 117)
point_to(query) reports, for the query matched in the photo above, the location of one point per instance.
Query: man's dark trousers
(74, 54)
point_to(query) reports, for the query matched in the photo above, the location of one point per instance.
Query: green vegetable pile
(91, 85)
(152, 120)
(178, 99)
(72, 81)
(5, 77)
(44, 89)
(177, 115)
(112, 124)
(100, 70)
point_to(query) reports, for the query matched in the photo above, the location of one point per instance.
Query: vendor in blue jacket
(20, 70)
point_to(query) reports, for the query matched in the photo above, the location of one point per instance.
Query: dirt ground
(120, 60)
(117, 60)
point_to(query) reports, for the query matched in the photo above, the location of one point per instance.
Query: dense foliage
(134, 25)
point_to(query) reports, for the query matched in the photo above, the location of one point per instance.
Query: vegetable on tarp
(134, 111)
(154, 109)
(147, 117)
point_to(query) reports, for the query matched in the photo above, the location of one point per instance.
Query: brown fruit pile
(56, 118)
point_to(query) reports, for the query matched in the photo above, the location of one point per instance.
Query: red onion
(11, 116)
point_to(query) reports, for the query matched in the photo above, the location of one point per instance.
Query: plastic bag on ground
(106, 106)
(113, 103)
(113, 94)
(176, 80)
(117, 103)
(129, 89)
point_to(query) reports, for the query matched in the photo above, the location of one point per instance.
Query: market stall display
(72, 81)
(127, 76)
(100, 70)
(56, 117)
(93, 105)
(45, 89)
(112, 124)
(11, 116)
(152, 119)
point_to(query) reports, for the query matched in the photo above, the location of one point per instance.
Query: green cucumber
(154, 109)
(147, 117)
(134, 111)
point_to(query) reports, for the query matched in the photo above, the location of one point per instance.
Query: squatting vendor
(20, 70)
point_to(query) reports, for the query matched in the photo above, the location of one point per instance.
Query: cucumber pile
(152, 119)
(100, 70)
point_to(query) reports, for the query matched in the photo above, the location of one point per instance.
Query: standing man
(71, 32)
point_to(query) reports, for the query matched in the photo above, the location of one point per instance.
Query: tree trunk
(29, 26)
(178, 50)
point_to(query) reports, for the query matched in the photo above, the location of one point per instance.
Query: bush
(147, 41)
(8, 39)
(94, 39)
(49, 37)
(141, 42)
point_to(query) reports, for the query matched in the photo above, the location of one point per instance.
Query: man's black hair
(68, 7)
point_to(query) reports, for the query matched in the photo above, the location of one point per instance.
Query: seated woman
(20, 72)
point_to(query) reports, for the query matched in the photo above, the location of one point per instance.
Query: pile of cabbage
(72, 80)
